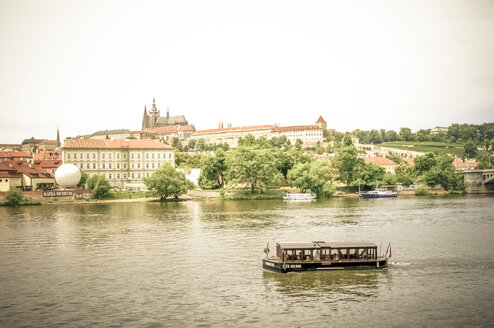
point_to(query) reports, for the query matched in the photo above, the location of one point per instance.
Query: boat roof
(332, 244)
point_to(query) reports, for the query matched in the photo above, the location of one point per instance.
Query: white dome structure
(67, 175)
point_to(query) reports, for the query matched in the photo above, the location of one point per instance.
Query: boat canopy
(322, 244)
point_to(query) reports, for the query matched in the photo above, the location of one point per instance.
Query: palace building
(153, 119)
(124, 162)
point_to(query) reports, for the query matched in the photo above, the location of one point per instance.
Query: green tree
(347, 141)
(369, 175)
(254, 166)
(314, 176)
(348, 165)
(82, 182)
(486, 160)
(424, 163)
(13, 197)
(443, 173)
(470, 149)
(405, 174)
(213, 170)
(99, 185)
(406, 134)
(166, 181)
(298, 144)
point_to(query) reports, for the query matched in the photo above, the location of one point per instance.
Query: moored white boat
(378, 193)
(305, 196)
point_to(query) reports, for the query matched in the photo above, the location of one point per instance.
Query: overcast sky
(93, 65)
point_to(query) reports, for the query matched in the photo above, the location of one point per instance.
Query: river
(198, 263)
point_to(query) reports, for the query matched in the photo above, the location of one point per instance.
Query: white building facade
(123, 162)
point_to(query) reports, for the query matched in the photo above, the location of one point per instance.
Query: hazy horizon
(94, 65)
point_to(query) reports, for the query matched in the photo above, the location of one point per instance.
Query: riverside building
(124, 162)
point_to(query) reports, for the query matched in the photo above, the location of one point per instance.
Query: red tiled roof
(169, 129)
(296, 128)
(118, 144)
(379, 160)
(24, 167)
(459, 164)
(48, 154)
(48, 164)
(409, 161)
(247, 128)
(9, 174)
(320, 120)
(14, 154)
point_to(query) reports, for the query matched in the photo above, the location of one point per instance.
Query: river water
(198, 263)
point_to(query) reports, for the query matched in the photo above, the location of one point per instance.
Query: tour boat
(320, 256)
(306, 196)
(378, 193)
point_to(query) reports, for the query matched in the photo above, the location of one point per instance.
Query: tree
(298, 144)
(13, 197)
(424, 163)
(99, 185)
(254, 166)
(348, 164)
(443, 173)
(213, 170)
(166, 181)
(470, 149)
(406, 134)
(82, 182)
(369, 175)
(314, 176)
(404, 174)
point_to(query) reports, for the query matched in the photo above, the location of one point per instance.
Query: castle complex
(154, 120)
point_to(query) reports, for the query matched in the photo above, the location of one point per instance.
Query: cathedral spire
(154, 109)
(167, 111)
(58, 138)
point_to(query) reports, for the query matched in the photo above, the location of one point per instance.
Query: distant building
(409, 161)
(10, 147)
(439, 130)
(153, 119)
(460, 165)
(168, 133)
(322, 123)
(386, 163)
(309, 134)
(14, 155)
(123, 162)
(24, 175)
(32, 145)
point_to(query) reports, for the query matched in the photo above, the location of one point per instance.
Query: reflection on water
(199, 264)
(361, 282)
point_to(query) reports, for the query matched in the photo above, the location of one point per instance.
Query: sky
(86, 65)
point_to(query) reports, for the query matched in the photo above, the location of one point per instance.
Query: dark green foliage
(213, 170)
(348, 165)
(166, 181)
(470, 149)
(82, 182)
(314, 176)
(13, 197)
(99, 185)
(405, 174)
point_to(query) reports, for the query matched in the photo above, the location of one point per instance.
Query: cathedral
(153, 119)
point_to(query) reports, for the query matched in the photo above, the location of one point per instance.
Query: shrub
(14, 197)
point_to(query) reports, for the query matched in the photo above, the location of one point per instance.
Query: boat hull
(275, 266)
(378, 196)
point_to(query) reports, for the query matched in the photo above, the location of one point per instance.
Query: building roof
(460, 165)
(320, 120)
(409, 161)
(296, 128)
(332, 244)
(48, 154)
(241, 128)
(171, 120)
(170, 129)
(48, 164)
(117, 144)
(14, 154)
(379, 160)
(18, 167)
(31, 140)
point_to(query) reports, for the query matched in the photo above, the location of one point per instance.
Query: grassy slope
(427, 146)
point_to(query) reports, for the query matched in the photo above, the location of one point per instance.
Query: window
(138, 165)
(103, 165)
(124, 156)
(132, 165)
(109, 176)
(125, 175)
(147, 156)
(118, 175)
(94, 165)
(87, 166)
(109, 165)
(103, 155)
(132, 155)
(87, 155)
(132, 175)
(68, 155)
(75, 155)
(118, 165)
(147, 174)
(82, 155)
(169, 155)
(118, 155)
(125, 165)
(147, 165)
(138, 155)
(138, 175)
(159, 155)
(152, 155)
(152, 165)
(94, 155)
(109, 155)
(82, 165)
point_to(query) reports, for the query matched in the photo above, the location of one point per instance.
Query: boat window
(353, 253)
(335, 254)
(326, 256)
(308, 255)
(363, 253)
(344, 254)
(298, 254)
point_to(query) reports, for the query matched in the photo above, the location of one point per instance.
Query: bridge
(479, 181)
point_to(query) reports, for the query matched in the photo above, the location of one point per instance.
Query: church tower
(154, 115)
(58, 138)
(145, 119)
